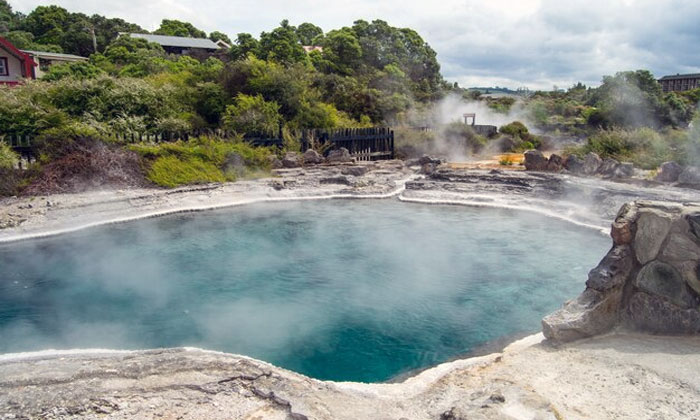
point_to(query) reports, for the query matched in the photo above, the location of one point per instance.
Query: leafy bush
(519, 131)
(202, 160)
(171, 171)
(8, 158)
(252, 114)
(644, 147)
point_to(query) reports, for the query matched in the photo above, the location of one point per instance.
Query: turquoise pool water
(342, 290)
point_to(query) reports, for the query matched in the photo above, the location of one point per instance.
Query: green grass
(202, 160)
(171, 171)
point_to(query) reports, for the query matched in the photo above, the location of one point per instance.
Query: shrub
(171, 171)
(8, 158)
(519, 131)
(201, 160)
(252, 114)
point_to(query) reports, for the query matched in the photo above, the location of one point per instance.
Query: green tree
(220, 36)
(342, 49)
(244, 45)
(179, 28)
(308, 33)
(252, 114)
(281, 45)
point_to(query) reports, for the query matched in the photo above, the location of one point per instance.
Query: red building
(15, 65)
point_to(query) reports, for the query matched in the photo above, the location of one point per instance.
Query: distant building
(680, 82)
(44, 60)
(15, 65)
(309, 48)
(180, 44)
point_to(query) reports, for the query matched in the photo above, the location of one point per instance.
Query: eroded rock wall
(648, 281)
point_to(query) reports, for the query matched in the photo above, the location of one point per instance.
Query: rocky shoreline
(616, 375)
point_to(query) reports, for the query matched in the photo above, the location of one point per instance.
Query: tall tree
(244, 45)
(281, 45)
(307, 33)
(220, 36)
(179, 28)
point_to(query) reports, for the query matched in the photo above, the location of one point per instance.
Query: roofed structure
(178, 44)
(680, 82)
(15, 65)
(44, 60)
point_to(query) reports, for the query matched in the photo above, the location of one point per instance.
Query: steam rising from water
(338, 289)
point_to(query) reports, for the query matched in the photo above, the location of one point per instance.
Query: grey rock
(608, 166)
(341, 155)
(655, 314)
(624, 226)
(292, 160)
(535, 161)
(340, 179)
(661, 279)
(652, 228)
(573, 164)
(428, 168)
(680, 248)
(428, 159)
(613, 270)
(354, 170)
(590, 314)
(312, 157)
(555, 163)
(624, 170)
(690, 176)
(591, 163)
(275, 163)
(694, 223)
(669, 172)
(690, 271)
(234, 163)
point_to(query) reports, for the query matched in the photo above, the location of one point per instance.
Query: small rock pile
(311, 157)
(649, 281)
(591, 164)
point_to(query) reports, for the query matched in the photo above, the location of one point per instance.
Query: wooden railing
(376, 143)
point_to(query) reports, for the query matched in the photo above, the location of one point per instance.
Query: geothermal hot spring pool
(358, 290)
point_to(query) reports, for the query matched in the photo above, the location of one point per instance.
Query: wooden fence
(376, 143)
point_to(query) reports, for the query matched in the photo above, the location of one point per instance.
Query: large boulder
(292, 160)
(573, 164)
(624, 170)
(312, 157)
(690, 176)
(355, 170)
(649, 281)
(591, 163)
(669, 172)
(341, 155)
(535, 161)
(555, 163)
(607, 167)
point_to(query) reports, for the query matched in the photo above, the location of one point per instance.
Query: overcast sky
(532, 43)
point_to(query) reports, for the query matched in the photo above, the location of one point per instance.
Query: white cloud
(534, 43)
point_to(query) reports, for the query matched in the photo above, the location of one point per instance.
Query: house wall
(15, 66)
(680, 84)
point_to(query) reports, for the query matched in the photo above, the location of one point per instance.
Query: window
(4, 69)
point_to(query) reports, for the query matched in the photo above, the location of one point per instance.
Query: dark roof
(682, 76)
(178, 41)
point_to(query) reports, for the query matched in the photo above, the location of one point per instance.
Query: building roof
(50, 55)
(682, 76)
(7, 46)
(178, 41)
